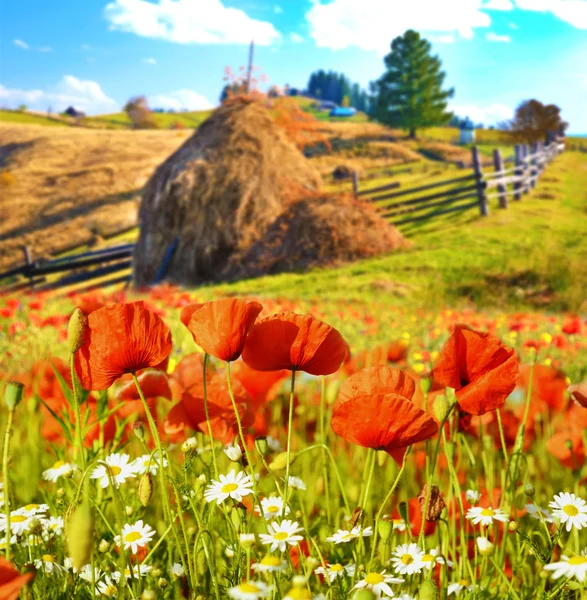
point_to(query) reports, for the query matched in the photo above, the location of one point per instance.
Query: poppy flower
(262, 386)
(579, 393)
(154, 384)
(481, 369)
(382, 422)
(567, 446)
(220, 327)
(296, 343)
(11, 581)
(121, 338)
(187, 311)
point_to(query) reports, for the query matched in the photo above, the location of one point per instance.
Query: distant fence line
(471, 190)
(401, 206)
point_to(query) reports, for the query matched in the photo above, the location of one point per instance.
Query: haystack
(218, 194)
(318, 230)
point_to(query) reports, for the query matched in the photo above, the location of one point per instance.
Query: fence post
(355, 184)
(518, 171)
(483, 208)
(28, 259)
(534, 163)
(527, 169)
(501, 188)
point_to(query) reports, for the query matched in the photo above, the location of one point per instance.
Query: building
(343, 111)
(72, 112)
(467, 128)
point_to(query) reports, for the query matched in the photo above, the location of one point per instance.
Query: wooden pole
(519, 171)
(501, 188)
(483, 208)
(525, 154)
(534, 169)
(355, 184)
(28, 258)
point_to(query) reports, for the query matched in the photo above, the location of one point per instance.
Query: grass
(12, 116)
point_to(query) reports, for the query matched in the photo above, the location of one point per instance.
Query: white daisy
(234, 485)
(270, 564)
(247, 539)
(119, 468)
(274, 444)
(535, 511)
(234, 452)
(48, 565)
(570, 510)
(59, 469)
(296, 483)
(137, 571)
(108, 588)
(32, 510)
(281, 534)
(399, 525)
(147, 462)
(177, 570)
(250, 590)
(484, 546)
(378, 583)
(485, 516)
(432, 557)
(85, 573)
(136, 536)
(272, 507)
(575, 566)
(343, 536)
(472, 496)
(54, 526)
(332, 571)
(407, 559)
(458, 587)
(19, 523)
(3, 544)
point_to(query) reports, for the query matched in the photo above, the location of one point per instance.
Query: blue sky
(95, 54)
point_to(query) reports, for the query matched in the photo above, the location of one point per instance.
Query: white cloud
(490, 115)
(179, 100)
(69, 91)
(277, 9)
(442, 39)
(494, 37)
(498, 5)
(296, 38)
(45, 49)
(189, 22)
(571, 11)
(21, 44)
(149, 61)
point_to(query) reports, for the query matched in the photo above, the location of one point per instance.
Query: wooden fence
(475, 190)
(400, 206)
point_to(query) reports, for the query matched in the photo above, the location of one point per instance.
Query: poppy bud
(145, 488)
(103, 546)
(425, 384)
(384, 528)
(80, 536)
(279, 463)
(76, 330)
(529, 490)
(156, 573)
(484, 546)
(261, 445)
(139, 430)
(13, 394)
(364, 594)
(312, 562)
(149, 595)
(428, 590)
(162, 583)
(319, 486)
(441, 407)
(189, 446)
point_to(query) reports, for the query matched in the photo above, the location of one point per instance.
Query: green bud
(279, 463)
(262, 446)
(80, 535)
(139, 430)
(385, 529)
(513, 526)
(156, 573)
(364, 594)
(145, 491)
(13, 394)
(441, 407)
(425, 385)
(162, 583)
(103, 546)
(76, 330)
(149, 595)
(529, 490)
(428, 590)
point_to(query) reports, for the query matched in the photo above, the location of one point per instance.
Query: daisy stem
(6, 479)
(78, 449)
(510, 587)
(208, 424)
(502, 438)
(382, 508)
(289, 428)
(161, 472)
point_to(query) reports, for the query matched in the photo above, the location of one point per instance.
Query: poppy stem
(323, 441)
(208, 424)
(6, 479)
(502, 438)
(382, 508)
(289, 428)
(79, 446)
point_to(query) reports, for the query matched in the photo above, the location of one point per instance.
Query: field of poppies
(160, 446)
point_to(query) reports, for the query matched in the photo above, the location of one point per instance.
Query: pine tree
(409, 94)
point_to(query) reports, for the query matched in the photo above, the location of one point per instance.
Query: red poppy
(383, 422)
(11, 581)
(294, 342)
(262, 386)
(221, 327)
(187, 311)
(121, 338)
(579, 393)
(481, 369)
(154, 384)
(567, 445)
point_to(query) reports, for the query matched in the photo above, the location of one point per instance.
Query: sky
(96, 54)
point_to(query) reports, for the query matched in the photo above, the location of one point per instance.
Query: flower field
(169, 445)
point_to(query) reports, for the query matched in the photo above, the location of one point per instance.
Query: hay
(319, 230)
(218, 194)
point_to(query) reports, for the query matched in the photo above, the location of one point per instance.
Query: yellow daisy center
(428, 558)
(31, 507)
(18, 518)
(374, 578)
(487, 512)
(114, 470)
(273, 508)
(59, 464)
(281, 535)
(464, 582)
(48, 558)
(248, 588)
(271, 561)
(407, 559)
(133, 536)
(336, 567)
(571, 510)
(578, 560)
(228, 487)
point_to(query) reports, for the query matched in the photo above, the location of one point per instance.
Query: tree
(409, 94)
(345, 101)
(535, 122)
(139, 113)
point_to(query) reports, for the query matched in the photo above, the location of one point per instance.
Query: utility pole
(250, 69)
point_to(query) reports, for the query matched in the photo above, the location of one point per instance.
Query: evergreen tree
(409, 94)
